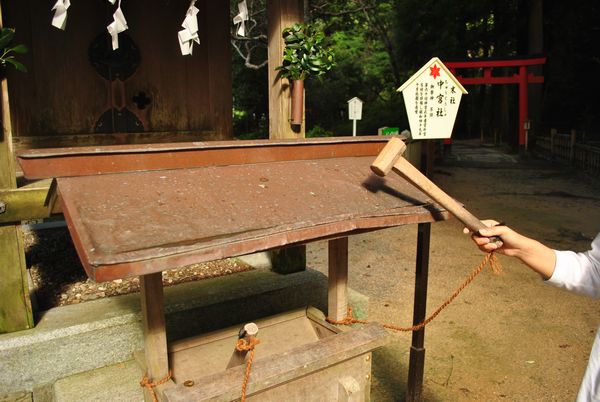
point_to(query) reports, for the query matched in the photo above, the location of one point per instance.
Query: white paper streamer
(189, 34)
(241, 18)
(60, 14)
(118, 25)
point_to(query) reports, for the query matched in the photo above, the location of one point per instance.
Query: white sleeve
(578, 272)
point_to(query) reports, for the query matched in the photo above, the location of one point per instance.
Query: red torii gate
(523, 78)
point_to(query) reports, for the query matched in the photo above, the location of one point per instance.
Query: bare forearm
(534, 254)
(538, 257)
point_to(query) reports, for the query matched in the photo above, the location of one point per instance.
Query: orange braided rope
(489, 259)
(146, 383)
(247, 345)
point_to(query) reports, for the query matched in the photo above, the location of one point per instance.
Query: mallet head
(388, 156)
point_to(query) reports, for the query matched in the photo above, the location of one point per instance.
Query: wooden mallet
(390, 158)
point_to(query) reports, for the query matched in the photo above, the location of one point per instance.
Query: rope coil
(247, 345)
(146, 383)
(490, 259)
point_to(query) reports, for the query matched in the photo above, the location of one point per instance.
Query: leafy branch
(6, 37)
(304, 54)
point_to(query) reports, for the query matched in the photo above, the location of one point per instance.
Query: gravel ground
(58, 278)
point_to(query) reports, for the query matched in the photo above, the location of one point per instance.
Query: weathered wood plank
(337, 292)
(15, 306)
(202, 359)
(24, 204)
(153, 326)
(218, 43)
(81, 140)
(278, 369)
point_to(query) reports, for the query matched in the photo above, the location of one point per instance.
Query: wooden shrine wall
(62, 94)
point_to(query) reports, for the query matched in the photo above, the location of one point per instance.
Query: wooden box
(300, 357)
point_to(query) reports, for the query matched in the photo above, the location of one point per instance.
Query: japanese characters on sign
(432, 97)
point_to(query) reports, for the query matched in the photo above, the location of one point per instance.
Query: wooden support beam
(416, 364)
(281, 14)
(23, 204)
(337, 292)
(15, 306)
(154, 329)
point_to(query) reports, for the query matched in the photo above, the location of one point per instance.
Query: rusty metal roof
(81, 161)
(135, 223)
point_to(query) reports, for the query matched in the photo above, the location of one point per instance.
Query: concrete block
(69, 340)
(260, 260)
(116, 383)
(17, 397)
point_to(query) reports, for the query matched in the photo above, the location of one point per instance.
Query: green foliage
(6, 37)
(378, 44)
(304, 54)
(363, 68)
(318, 131)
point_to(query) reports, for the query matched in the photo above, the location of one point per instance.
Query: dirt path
(507, 337)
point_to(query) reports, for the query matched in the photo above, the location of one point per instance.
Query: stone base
(78, 338)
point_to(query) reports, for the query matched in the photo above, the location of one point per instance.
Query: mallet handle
(418, 179)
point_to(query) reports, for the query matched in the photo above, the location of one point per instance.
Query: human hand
(498, 237)
(536, 255)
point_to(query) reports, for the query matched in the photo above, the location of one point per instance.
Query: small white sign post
(354, 112)
(432, 96)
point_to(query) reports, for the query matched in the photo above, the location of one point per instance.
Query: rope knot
(246, 345)
(145, 382)
(348, 320)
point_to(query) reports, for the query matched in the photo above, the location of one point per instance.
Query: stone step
(116, 383)
(82, 337)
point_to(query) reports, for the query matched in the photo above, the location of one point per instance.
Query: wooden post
(552, 135)
(219, 65)
(523, 105)
(15, 305)
(281, 14)
(572, 149)
(153, 325)
(337, 295)
(416, 364)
